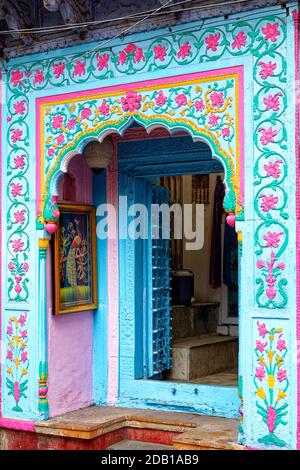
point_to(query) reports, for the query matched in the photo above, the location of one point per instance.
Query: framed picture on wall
(75, 274)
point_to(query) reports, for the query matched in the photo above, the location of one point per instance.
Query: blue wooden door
(159, 322)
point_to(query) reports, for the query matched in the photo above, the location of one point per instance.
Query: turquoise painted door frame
(135, 291)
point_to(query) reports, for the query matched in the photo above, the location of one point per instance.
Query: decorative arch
(208, 106)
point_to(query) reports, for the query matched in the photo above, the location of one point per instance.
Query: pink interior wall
(70, 337)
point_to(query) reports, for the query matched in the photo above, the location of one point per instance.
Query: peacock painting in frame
(75, 274)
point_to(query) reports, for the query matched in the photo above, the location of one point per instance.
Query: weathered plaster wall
(70, 337)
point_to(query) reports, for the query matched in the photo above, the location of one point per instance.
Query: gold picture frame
(75, 267)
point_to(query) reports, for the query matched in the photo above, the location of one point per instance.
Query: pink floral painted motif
(122, 58)
(217, 99)
(267, 69)
(16, 78)
(260, 346)
(131, 101)
(262, 329)
(184, 50)
(104, 108)
(19, 161)
(159, 52)
(51, 152)
(138, 56)
(271, 32)
(19, 107)
(273, 169)
(132, 52)
(260, 373)
(57, 121)
(16, 135)
(85, 113)
(281, 344)
(212, 41)
(17, 363)
(160, 99)
(79, 69)
(199, 105)
(213, 120)
(58, 69)
(272, 102)
(103, 60)
(225, 132)
(281, 375)
(70, 125)
(19, 216)
(38, 77)
(17, 245)
(25, 266)
(267, 135)
(16, 189)
(271, 272)
(60, 139)
(268, 202)
(181, 100)
(239, 41)
(273, 239)
(130, 49)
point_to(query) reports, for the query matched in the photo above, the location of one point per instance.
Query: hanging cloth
(215, 271)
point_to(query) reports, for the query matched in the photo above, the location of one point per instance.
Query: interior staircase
(197, 350)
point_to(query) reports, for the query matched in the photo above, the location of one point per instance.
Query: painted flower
(260, 373)
(85, 113)
(16, 77)
(122, 58)
(9, 330)
(102, 61)
(273, 169)
(181, 100)
(281, 375)
(281, 266)
(19, 107)
(272, 102)
(104, 108)
(19, 216)
(273, 239)
(212, 41)
(225, 132)
(51, 152)
(199, 105)
(16, 189)
(17, 392)
(160, 99)
(267, 135)
(262, 330)
(38, 77)
(70, 124)
(58, 69)
(239, 41)
(261, 393)
(57, 121)
(22, 319)
(11, 266)
(269, 202)
(281, 395)
(271, 32)
(131, 101)
(217, 99)
(16, 135)
(159, 52)
(19, 161)
(138, 56)
(24, 334)
(79, 68)
(184, 50)
(271, 418)
(130, 49)
(60, 139)
(9, 355)
(267, 69)
(25, 266)
(260, 264)
(24, 357)
(213, 119)
(18, 288)
(17, 245)
(281, 345)
(260, 346)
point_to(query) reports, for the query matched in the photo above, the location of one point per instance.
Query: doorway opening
(187, 303)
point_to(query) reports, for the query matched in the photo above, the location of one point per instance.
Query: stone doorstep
(194, 431)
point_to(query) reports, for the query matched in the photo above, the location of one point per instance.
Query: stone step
(138, 445)
(196, 357)
(194, 320)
